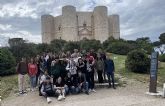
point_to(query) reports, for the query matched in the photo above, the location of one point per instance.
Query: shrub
(162, 58)
(7, 62)
(137, 61)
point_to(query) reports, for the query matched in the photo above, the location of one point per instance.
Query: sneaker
(20, 93)
(63, 97)
(59, 98)
(114, 87)
(49, 100)
(86, 92)
(93, 90)
(89, 90)
(24, 91)
(32, 89)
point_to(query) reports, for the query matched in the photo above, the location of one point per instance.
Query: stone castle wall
(75, 26)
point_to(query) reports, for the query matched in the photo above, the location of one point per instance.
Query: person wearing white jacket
(71, 67)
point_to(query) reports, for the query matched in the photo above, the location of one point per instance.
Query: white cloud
(22, 34)
(5, 27)
(19, 10)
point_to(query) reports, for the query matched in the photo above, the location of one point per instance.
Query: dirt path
(131, 95)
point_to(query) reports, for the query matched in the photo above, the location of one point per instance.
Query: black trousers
(100, 76)
(90, 79)
(111, 76)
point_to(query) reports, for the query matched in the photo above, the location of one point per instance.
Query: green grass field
(10, 83)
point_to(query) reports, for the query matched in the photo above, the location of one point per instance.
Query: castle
(75, 26)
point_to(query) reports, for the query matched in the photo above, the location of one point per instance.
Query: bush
(137, 61)
(121, 48)
(162, 58)
(7, 62)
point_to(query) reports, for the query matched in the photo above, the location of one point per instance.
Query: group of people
(65, 73)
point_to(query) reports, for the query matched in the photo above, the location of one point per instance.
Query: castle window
(84, 24)
(59, 28)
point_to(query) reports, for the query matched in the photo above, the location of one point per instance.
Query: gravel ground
(131, 95)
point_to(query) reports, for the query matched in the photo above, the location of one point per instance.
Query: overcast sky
(138, 18)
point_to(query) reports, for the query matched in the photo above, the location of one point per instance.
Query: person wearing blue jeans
(33, 81)
(110, 69)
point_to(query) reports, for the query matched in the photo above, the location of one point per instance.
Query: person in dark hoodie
(55, 69)
(110, 69)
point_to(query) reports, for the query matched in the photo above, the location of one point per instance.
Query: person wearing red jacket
(32, 71)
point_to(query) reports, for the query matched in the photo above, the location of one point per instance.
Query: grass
(8, 85)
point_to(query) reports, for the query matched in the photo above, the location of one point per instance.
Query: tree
(24, 50)
(162, 38)
(70, 46)
(57, 45)
(145, 44)
(7, 62)
(90, 44)
(43, 47)
(120, 47)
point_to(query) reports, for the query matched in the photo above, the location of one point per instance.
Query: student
(42, 78)
(74, 85)
(110, 69)
(90, 72)
(55, 69)
(82, 83)
(47, 89)
(100, 68)
(72, 68)
(68, 83)
(22, 70)
(81, 66)
(60, 88)
(32, 71)
(37, 61)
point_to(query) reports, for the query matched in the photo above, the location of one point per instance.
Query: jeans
(84, 86)
(33, 81)
(109, 79)
(90, 79)
(74, 90)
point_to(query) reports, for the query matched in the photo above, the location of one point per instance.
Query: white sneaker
(60, 98)
(93, 90)
(32, 89)
(89, 90)
(63, 97)
(49, 100)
